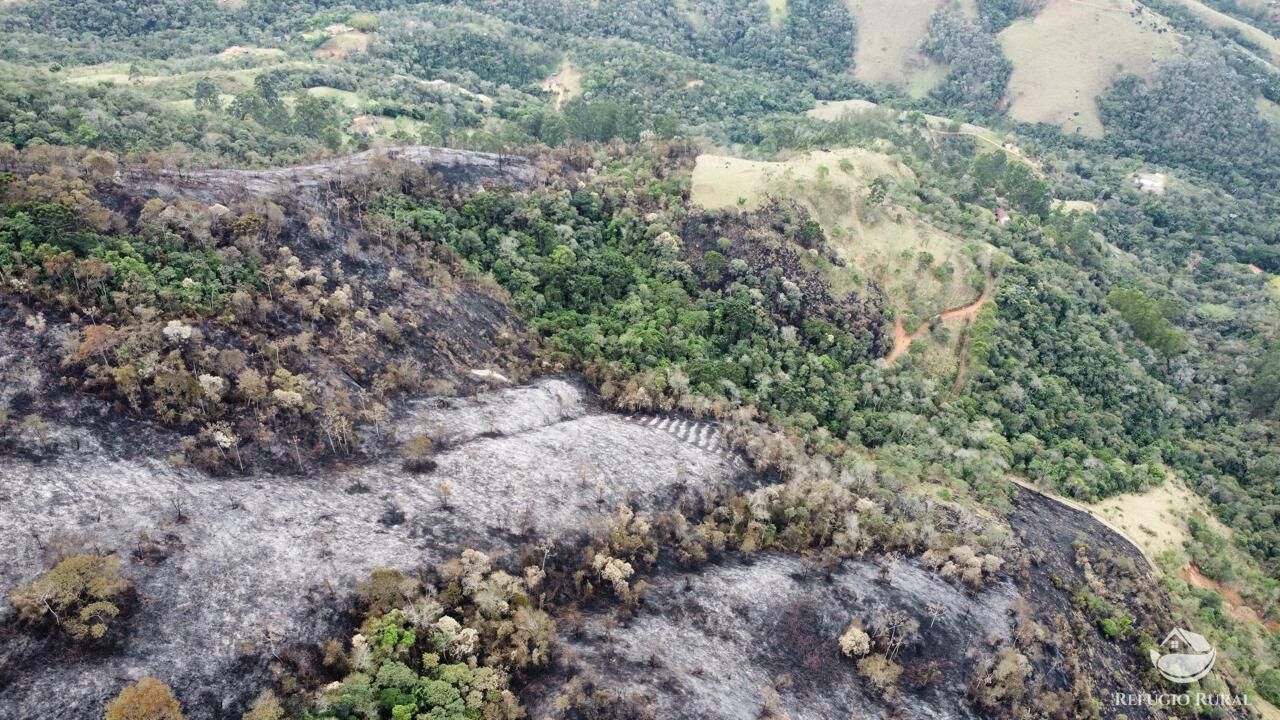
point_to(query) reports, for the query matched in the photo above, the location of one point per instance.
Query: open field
(832, 110)
(118, 73)
(719, 181)
(1070, 53)
(189, 105)
(924, 270)
(1081, 206)
(1157, 518)
(1269, 110)
(988, 139)
(343, 44)
(565, 83)
(381, 126)
(346, 98)
(888, 44)
(777, 11)
(239, 51)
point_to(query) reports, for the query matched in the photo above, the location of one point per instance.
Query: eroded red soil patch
(1236, 605)
(902, 339)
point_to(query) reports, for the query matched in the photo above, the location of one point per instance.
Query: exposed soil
(1236, 605)
(902, 339)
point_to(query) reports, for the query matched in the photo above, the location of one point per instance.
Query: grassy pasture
(565, 83)
(228, 78)
(832, 110)
(1269, 110)
(888, 44)
(345, 98)
(239, 51)
(385, 127)
(1070, 53)
(111, 73)
(1156, 518)
(344, 44)
(988, 140)
(1081, 206)
(777, 11)
(189, 104)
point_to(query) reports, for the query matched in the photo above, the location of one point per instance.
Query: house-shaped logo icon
(1187, 657)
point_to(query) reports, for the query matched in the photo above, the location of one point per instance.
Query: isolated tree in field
(207, 96)
(149, 699)
(877, 192)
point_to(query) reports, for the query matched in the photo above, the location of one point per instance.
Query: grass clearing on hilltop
(777, 11)
(343, 44)
(238, 51)
(346, 98)
(988, 140)
(1070, 53)
(888, 44)
(1156, 518)
(236, 80)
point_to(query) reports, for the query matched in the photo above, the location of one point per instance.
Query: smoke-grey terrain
(228, 569)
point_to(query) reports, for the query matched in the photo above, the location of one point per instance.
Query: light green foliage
(1147, 321)
(397, 657)
(1263, 389)
(80, 594)
(1115, 621)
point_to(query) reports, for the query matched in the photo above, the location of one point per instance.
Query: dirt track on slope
(902, 339)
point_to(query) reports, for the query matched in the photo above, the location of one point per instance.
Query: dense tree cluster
(978, 71)
(813, 42)
(997, 15)
(1199, 112)
(628, 296)
(1147, 320)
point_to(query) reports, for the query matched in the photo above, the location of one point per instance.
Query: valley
(573, 359)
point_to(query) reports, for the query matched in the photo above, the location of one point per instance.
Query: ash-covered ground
(230, 572)
(719, 643)
(233, 574)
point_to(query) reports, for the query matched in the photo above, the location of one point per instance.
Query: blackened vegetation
(770, 243)
(262, 315)
(1090, 606)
